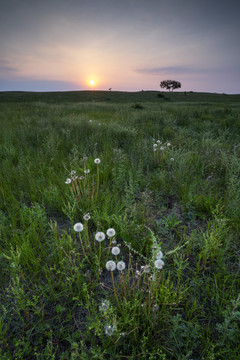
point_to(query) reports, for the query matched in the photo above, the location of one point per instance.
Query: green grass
(58, 300)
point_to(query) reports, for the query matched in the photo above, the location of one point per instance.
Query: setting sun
(92, 82)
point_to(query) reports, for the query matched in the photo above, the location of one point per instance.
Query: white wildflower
(87, 171)
(73, 172)
(115, 250)
(155, 307)
(172, 159)
(111, 265)
(100, 236)
(159, 264)
(111, 232)
(146, 269)
(109, 330)
(159, 255)
(104, 305)
(97, 161)
(78, 227)
(154, 145)
(168, 144)
(162, 148)
(68, 181)
(87, 217)
(159, 142)
(121, 265)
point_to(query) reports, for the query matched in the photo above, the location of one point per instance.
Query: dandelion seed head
(115, 250)
(168, 144)
(73, 172)
(87, 217)
(97, 161)
(155, 145)
(87, 171)
(109, 330)
(162, 148)
(159, 255)
(100, 236)
(172, 159)
(74, 177)
(159, 264)
(159, 142)
(154, 149)
(146, 269)
(121, 265)
(68, 181)
(155, 307)
(111, 232)
(111, 265)
(104, 305)
(78, 227)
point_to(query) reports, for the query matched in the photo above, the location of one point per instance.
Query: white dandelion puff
(104, 305)
(97, 161)
(68, 181)
(159, 255)
(155, 307)
(87, 217)
(73, 172)
(146, 269)
(155, 145)
(78, 227)
(159, 264)
(172, 159)
(87, 171)
(162, 148)
(168, 144)
(100, 236)
(109, 329)
(115, 250)
(111, 265)
(159, 142)
(121, 265)
(111, 232)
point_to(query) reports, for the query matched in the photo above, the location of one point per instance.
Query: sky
(126, 45)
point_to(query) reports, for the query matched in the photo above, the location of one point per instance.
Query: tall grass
(165, 194)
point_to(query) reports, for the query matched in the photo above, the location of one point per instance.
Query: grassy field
(119, 226)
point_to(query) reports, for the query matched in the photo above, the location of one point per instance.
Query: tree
(170, 84)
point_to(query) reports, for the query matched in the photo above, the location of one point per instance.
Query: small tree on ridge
(170, 84)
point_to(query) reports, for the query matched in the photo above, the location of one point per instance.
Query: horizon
(129, 46)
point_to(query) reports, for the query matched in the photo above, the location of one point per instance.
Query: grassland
(167, 184)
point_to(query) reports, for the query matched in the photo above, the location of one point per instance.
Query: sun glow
(91, 82)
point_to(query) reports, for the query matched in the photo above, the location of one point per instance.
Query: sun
(92, 82)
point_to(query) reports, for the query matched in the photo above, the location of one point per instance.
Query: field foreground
(119, 226)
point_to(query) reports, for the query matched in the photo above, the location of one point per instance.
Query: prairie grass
(152, 270)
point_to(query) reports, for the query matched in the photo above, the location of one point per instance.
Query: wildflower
(74, 177)
(159, 264)
(154, 145)
(78, 227)
(159, 255)
(146, 268)
(162, 148)
(87, 171)
(104, 305)
(115, 250)
(68, 181)
(81, 177)
(109, 330)
(154, 149)
(159, 142)
(121, 265)
(152, 277)
(122, 334)
(111, 265)
(73, 172)
(111, 232)
(100, 236)
(155, 307)
(90, 120)
(97, 161)
(168, 144)
(137, 274)
(87, 217)
(172, 159)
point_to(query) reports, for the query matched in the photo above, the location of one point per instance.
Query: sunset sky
(61, 45)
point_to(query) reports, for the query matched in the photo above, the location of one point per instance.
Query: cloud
(6, 69)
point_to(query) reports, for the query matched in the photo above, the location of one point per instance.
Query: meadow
(119, 226)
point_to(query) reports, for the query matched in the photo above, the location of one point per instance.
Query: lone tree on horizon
(170, 84)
